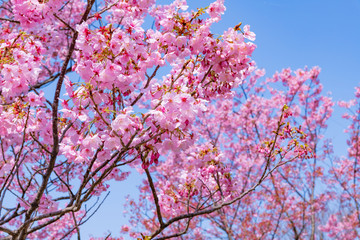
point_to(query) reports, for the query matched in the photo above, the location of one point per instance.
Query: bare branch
(156, 199)
(9, 20)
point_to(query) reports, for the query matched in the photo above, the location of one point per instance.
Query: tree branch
(156, 199)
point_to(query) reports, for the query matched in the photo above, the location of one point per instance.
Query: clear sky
(289, 33)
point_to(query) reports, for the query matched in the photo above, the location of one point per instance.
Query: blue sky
(289, 33)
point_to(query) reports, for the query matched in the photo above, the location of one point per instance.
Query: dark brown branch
(65, 23)
(9, 20)
(76, 226)
(156, 199)
(47, 223)
(8, 231)
(146, 85)
(40, 144)
(86, 176)
(65, 130)
(104, 10)
(176, 234)
(206, 74)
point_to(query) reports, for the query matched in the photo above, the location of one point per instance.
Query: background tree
(220, 149)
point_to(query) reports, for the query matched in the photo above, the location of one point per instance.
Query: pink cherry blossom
(89, 92)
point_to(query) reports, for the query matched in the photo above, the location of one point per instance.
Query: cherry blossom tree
(344, 177)
(86, 89)
(236, 150)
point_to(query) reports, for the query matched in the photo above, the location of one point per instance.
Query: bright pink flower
(248, 34)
